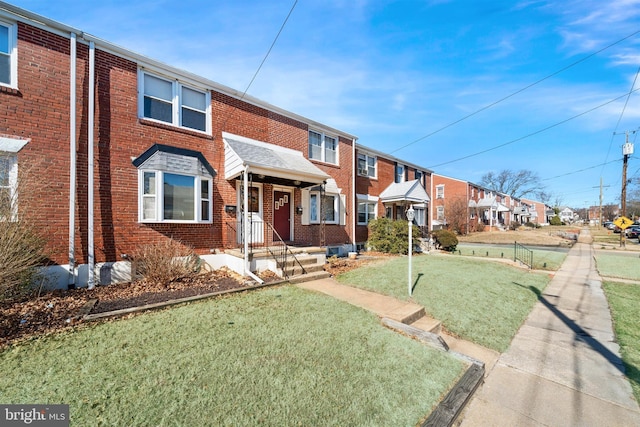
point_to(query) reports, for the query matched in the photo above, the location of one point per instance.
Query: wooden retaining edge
(114, 313)
(454, 402)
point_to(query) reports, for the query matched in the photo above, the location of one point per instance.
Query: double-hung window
(440, 213)
(323, 147)
(324, 208)
(366, 165)
(172, 102)
(8, 55)
(440, 191)
(8, 185)
(366, 212)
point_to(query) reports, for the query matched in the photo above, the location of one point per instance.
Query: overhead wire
(486, 107)
(532, 133)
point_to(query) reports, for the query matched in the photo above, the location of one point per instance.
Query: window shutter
(343, 209)
(305, 207)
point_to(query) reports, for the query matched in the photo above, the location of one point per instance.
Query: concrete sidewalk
(563, 368)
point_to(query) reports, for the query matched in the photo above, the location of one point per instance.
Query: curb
(448, 410)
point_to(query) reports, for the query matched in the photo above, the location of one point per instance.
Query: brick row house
(132, 151)
(125, 151)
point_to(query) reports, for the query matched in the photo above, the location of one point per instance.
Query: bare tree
(523, 183)
(457, 214)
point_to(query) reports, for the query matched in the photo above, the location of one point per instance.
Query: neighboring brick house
(170, 154)
(385, 187)
(449, 203)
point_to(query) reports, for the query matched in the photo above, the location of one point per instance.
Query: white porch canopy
(269, 163)
(408, 191)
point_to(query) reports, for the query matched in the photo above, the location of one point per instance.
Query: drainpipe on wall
(354, 201)
(90, 249)
(71, 284)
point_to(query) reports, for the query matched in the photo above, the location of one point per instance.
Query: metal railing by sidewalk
(523, 254)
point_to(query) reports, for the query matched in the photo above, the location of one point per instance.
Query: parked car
(632, 232)
(609, 225)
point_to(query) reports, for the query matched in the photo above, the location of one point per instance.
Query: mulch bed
(32, 316)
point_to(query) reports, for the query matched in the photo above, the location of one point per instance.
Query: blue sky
(397, 73)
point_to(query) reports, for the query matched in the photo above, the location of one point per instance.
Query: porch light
(299, 210)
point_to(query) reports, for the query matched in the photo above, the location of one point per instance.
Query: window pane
(5, 69)
(204, 189)
(330, 145)
(330, 156)
(313, 208)
(149, 183)
(159, 110)
(158, 88)
(178, 197)
(315, 145)
(149, 207)
(205, 210)
(328, 208)
(194, 119)
(5, 168)
(4, 39)
(193, 99)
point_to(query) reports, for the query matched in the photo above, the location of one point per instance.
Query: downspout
(90, 249)
(354, 202)
(71, 284)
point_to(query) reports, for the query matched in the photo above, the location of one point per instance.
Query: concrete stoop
(308, 277)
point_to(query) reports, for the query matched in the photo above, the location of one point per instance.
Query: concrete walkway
(563, 367)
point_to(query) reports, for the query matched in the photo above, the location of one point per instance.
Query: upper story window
(323, 147)
(440, 191)
(8, 55)
(418, 175)
(366, 165)
(400, 173)
(175, 185)
(170, 101)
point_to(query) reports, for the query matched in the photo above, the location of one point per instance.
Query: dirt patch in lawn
(32, 316)
(544, 236)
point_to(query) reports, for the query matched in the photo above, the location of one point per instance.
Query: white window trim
(440, 191)
(159, 196)
(323, 147)
(366, 159)
(13, 54)
(440, 213)
(176, 109)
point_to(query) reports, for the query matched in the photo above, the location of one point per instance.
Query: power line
(532, 133)
(486, 107)
(270, 48)
(581, 170)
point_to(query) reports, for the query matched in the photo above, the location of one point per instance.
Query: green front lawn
(624, 300)
(484, 302)
(618, 265)
(280, 357)
(542, 259)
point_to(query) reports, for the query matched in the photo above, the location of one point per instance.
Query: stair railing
(280, 252)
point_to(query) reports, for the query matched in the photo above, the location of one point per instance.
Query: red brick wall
(39, 110)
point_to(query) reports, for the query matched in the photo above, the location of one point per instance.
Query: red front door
(282, 214)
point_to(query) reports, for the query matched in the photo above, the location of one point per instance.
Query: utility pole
(627, 150)
(600, 214)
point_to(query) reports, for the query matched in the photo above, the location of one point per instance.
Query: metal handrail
(281, 256)
(523, 254)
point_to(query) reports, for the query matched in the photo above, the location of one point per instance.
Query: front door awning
(408, 191)
(269, 163)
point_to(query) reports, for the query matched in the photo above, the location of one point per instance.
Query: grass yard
(277, 357)
(621, 265)
(543, 259)
(481, 301)
(624, 300)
